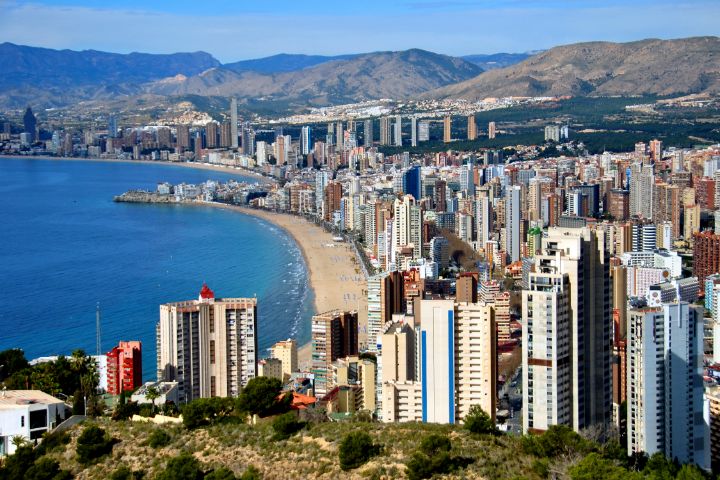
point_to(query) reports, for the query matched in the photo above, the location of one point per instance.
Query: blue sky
(240, 29)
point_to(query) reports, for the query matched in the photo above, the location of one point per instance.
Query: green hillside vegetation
(228, 448)
(257, 435)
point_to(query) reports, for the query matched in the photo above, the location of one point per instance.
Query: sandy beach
(197, 166)
(335, 277)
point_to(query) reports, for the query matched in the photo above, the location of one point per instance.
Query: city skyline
(230, 31)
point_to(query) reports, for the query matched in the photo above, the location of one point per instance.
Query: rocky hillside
(369, 76)
(54, 78)
(661, 67)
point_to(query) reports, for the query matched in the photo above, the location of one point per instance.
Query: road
(513, 402)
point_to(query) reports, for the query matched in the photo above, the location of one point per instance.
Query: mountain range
(53, 78)
(656, 67)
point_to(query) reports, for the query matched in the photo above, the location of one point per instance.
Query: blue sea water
(65, 246)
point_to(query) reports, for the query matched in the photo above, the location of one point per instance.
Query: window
(212, 352)
(212, 386)
(38, 419)
(22, 420)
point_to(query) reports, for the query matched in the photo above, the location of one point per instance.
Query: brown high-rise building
(392, 296)
(331, 202)
(705, 191)
(667, 206)
(619, 204)
(466, 288)
(655, 150)
(211, 135)
(225, 135)
(471, 128)
(183, 137)
(440, 196)
(334, 335)
(706, 255)
(447, 129)
(163, 137)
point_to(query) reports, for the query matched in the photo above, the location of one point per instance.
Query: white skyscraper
(458, 359)
(484, 220)
(407, 226)
(437, 360)
(512, 223)
(413, 131)
(368, 132)
(339, 136)
(305, 140)
(665, 384)
(397, 132)
(476, 358)
(233, 123)
(423, 131)
(546, 350)
(642, 189)
(208, 346)
(321, 180)
(571, 279)
(261, 153)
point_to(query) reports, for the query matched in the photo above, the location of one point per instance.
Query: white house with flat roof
(27, 413)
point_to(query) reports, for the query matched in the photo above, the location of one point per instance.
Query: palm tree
(19, 441)
(152, 394)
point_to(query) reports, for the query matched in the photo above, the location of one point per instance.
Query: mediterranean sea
(65, 246)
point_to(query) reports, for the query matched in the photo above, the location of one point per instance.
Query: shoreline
(195, 165)
(333, 273)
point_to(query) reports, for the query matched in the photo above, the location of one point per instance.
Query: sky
(234, 30)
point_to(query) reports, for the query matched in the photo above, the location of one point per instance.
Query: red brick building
(706, 255)
(124, 367)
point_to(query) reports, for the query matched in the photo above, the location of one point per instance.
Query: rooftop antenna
(97, 330)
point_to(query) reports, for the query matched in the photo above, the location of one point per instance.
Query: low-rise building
(270, 367)
(402, 402)
(167, 392)
(28, 414)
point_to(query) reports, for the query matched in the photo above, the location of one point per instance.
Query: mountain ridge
(649, 66)
(53, 78)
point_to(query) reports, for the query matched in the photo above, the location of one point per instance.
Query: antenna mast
(97, 330)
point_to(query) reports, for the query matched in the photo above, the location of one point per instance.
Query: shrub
(159, 438)
(182, 467)
(124, 411)
(286, 425)
(477, 421)
(46, 469)
(92, 444)
(594, 467)
(433, 457)
(251, 473)
(221, 473)
(205, 411)
(17, 464)
(259, 395)
(356, 448)
(124, 473)
(52, 441)
(557, 440)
